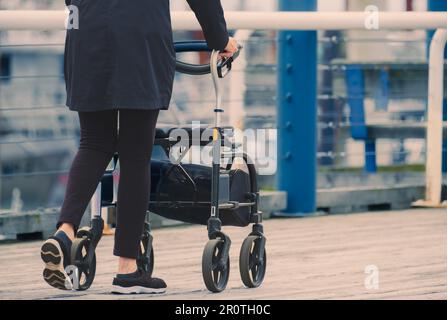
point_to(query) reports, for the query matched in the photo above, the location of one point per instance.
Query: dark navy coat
(122, 55)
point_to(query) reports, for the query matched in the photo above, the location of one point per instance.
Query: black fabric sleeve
(210, 15)
(67, 2)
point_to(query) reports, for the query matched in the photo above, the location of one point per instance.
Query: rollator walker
(214, 196)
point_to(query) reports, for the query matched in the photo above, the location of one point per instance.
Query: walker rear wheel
(215, 271)
(83, 257)
(251, 264)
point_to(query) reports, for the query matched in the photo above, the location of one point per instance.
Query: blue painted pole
(370, 156)
(439, 5)
(297, 114)
(355, 84)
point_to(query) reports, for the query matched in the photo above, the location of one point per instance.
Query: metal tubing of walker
(95, 202)
(297, 114)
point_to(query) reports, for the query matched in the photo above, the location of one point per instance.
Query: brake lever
(225, 65)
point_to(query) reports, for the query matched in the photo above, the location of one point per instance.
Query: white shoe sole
(54, 272)
(137, 290)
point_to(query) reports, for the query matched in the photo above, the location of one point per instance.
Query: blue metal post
(370, 156)
(355, 84)
(382, 94)
(297, 114)
(439, 5)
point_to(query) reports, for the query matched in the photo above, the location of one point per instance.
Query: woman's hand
(230, 49)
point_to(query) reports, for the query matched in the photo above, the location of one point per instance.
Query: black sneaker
(55, 253)
(137, 283)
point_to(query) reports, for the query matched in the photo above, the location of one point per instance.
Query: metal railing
(56, 20)
(435, 120)
(185, 20)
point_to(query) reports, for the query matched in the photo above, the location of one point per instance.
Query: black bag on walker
(183, 192)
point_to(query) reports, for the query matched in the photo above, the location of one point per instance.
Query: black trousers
(100, 139)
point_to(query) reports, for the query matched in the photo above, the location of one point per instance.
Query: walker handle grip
(224, 66)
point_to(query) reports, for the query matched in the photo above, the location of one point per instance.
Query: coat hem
(91, 106)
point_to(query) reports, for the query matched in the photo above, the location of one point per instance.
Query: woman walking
(119, 71)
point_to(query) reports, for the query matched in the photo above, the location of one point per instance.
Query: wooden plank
(312, 258)
(348, 198)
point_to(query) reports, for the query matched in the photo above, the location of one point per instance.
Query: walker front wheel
(252, 261)
(215, 268)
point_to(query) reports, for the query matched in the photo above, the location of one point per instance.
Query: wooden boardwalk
(313, 258)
